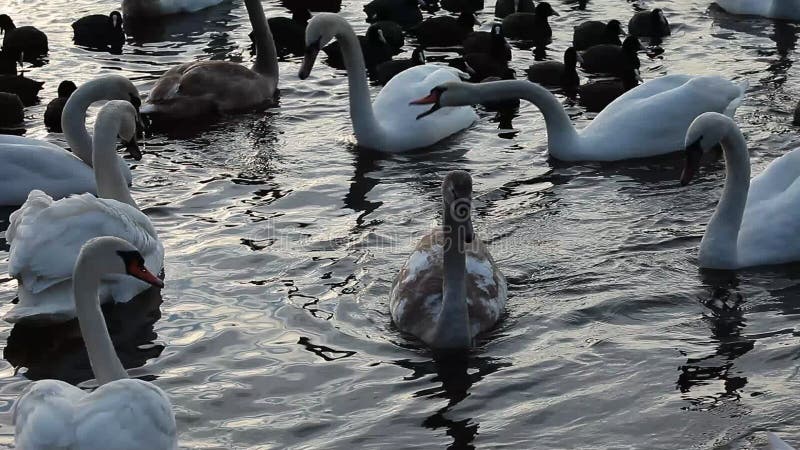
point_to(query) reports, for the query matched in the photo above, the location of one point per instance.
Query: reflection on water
(58, 352)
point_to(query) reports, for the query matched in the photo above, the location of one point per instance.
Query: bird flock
(78, 238)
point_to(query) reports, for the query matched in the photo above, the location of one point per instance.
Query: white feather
(773, 9)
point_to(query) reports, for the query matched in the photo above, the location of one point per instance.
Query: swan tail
(736, 102)
(776, 443)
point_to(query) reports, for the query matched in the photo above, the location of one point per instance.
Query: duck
(772, 9)
(8, 64)
(202, 88)
(374, 50)
(460, 6)
(406, 13)
(386, 70)
(52, 115)
(755, 221)
(649, 24)
(12, 116)
(612, 59)
(502, 8)
(596, 95)
(100, 31)
(28, 43)
(25, 88)
(450, 289)
(388, 124)
(492, 42)
(289, 34)
(27, 164)
(392, 33)
(445, 31)
(594, 32)
(45, 235)
(531, 26)
(480, 66)
(555, 73)
(149, 9)
(123, 412)
(646, 121)
(313, 5)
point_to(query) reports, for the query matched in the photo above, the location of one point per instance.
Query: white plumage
(155, 8)
(773, 9)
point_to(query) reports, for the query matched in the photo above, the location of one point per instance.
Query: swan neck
(365, 126)
(108, 174)
(452, 327)
(266, 54)
(718, 249)
(561, 135)
(73, 120)
(102, 355)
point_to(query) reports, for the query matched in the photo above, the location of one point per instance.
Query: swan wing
(775, 179)
(399, 119)
(28, 164)
(768, 234)
(44, 416)
(126, 414)
(46, 236)
(652, 119)
(415, 300)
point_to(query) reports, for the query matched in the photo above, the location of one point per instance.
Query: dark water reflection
(283, 238)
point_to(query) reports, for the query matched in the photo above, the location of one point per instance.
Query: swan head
(320, 31)
(129, 124)
(451, 93)
(113, 255)
(457, 198)
(705, 132)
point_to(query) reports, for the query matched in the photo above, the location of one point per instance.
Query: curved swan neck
(365, 126)
(718, 249)
(561, 135)
(107, 171)
(73, 119)
(452, 327)
(266, 54)
(102, 355)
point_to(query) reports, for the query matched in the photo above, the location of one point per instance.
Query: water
(282, 242)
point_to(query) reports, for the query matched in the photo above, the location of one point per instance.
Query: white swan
(773, 9)
(138, 9)
(648, 120)
(27, 164)
(389, 124)
(123, 413)
(756, 221)
(209, 87)
(45, 236)
(450, 289)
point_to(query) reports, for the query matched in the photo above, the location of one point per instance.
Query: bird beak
(308, 60)
(430, 99)
(132, 147)
(694, 153)
(145, 275)
(469, 232)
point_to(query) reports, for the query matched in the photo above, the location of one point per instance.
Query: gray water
(282, 241)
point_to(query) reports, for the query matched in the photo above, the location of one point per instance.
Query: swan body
(388, 124)
(123, 413)
(27, 164)
(773, 9)
(45, 236)
(646, 121)
(208, 87)
(756, 220)
(776, 443)
(136, 9)
(446, 294)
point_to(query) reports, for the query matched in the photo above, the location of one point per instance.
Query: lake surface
(282, 241)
